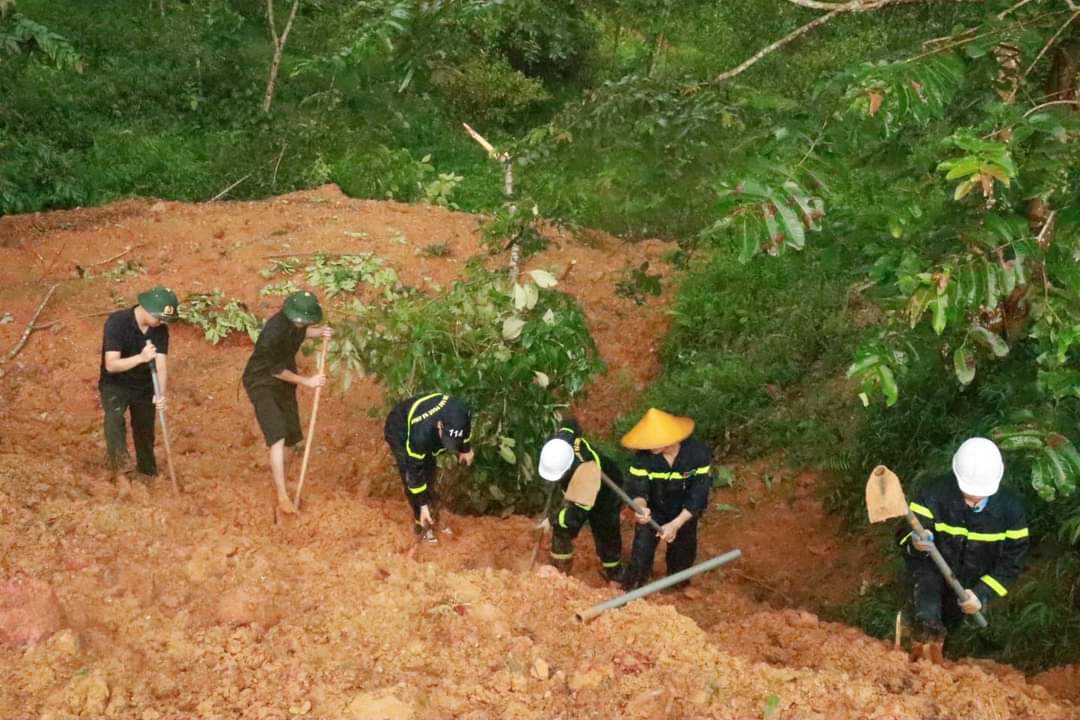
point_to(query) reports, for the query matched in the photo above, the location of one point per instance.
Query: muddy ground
(146, 605)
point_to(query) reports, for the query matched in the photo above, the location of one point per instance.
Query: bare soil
(151, 606)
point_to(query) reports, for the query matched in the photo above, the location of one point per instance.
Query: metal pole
(943, 567)
(587, 615)
(627, 501)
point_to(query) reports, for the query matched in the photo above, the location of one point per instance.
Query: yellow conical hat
(656, 430)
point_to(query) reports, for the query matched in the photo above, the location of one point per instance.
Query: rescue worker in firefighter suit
(669, 479)
(417, 430)
(271, 377)
(979, 528)
(132, 340)
(560, 460)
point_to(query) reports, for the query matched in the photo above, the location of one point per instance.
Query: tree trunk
(279, 49)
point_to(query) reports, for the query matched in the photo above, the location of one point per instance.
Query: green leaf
(861, 366)
(541, 379)
(940, 306)
(512, 327)
(964, 365)
(991, 340)
(888, 385)
(508, 455)
(549, 317)
(1041, 479)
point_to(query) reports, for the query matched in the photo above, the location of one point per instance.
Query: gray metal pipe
(587, 615)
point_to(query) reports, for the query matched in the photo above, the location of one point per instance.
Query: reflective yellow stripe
(995, 585)
(673, 475)
(703, 470)
(921, 510)
(418, 490)
(562, 518)
(411, 421)
(640, 472)
(559, 556)
(976, 536)
(586, 508)
(611, 564)
(1017, 534)
(905, 538)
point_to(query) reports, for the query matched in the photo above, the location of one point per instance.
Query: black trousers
(681, 553)
(402, 460)
(603, 520)
(936, 608)
(117, 400)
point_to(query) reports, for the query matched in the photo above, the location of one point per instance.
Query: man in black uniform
(981, 531)
(417, 430)
(560, 457)
(271, 377)
(133, 339)
(669, 477)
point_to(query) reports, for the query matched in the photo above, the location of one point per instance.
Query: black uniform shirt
(122, 335)
(412, 426)
(275, 351)
(583, 453)
(670, 489)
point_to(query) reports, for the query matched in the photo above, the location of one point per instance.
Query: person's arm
(312, 381)
(925, 509)
(637, 487)
(318, 331)
(696, 500)
(1010, 563)
(116, 364)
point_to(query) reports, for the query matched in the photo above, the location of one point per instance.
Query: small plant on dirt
(637, 282)
(279, 288)
(438, 191)
(517, 353)
(286, 266)
(436, 250)
(218, 318)
(122, 269)
(343, 274)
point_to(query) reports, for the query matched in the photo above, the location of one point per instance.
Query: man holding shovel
(417, 430)
(560, 459)
(980, 530)
(133, 339)
(271, 377)
(670, 480)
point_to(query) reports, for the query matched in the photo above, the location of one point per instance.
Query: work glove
(920, 545)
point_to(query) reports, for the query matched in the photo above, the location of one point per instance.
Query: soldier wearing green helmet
(271, 377)
(133, 339)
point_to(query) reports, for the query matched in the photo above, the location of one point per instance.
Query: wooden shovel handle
(311, 424)
(943, 566)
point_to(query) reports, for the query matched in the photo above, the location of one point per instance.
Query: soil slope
(151, 606)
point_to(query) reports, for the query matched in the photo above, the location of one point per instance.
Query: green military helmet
(302, 307)
(160, 302)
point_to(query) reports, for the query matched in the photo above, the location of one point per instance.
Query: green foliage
(343, 274)
(19, 35)
(483, 89)
(218, 318)
(517, 354)
(517, 223)
(436, 250)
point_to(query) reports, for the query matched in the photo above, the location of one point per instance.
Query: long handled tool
(311, 424)
(621, 494)
(885, 500)
(164, 429)
(542, 526)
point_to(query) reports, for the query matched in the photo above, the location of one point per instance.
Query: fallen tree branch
(837, 9)
(29, 327)
(117, 256)
(226, 190)
(1052, 102)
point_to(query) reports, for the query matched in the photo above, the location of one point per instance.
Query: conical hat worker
(669, 476)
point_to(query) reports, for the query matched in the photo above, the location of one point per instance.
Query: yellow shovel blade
(884, 495)
(584, 484)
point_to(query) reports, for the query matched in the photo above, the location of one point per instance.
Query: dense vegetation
(922, 155)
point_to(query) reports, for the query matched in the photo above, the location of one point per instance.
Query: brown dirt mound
(196, 606)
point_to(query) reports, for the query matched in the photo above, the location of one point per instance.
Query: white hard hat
(555, 459)
(978, 467)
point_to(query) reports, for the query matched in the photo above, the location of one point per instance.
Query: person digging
(417, 430)
(562, 456)
(981, 531)
(133, 339)
(669, 479)
(271, 377)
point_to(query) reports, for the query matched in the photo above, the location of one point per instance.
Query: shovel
(164, 430)
(885, 500)
(542, 526)
(311, 425)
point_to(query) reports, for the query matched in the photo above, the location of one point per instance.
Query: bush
(516, 354)
(487, 89)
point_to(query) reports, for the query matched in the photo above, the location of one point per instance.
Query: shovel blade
(584, 484)
(884, 495)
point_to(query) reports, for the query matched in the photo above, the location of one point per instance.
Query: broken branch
(29, 327)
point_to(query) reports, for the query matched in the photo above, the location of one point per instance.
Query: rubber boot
(563, 566)
(614, 574)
